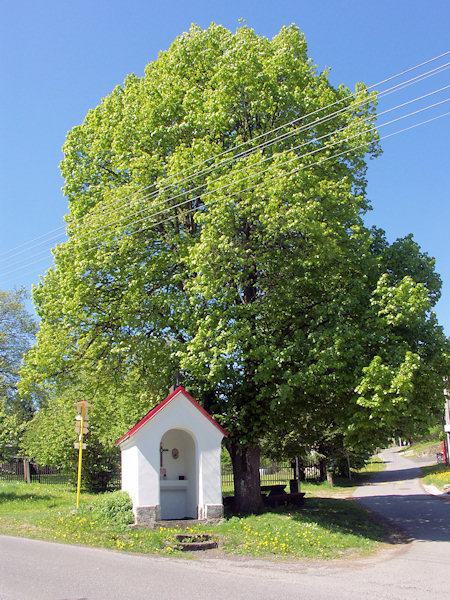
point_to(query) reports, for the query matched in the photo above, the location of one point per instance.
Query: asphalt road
(35, 570)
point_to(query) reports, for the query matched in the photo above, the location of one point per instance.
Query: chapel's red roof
(164, 403)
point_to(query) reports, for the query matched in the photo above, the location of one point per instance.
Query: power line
(278, 165)
(263, 145)
(285, 174)
(283, 136)
(291, 149)
(296, 169)
(365, 89)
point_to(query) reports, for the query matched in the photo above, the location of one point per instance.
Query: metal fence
(277, 472)
(12, 471)
(22, 470)
(49, 475)
(270, 473)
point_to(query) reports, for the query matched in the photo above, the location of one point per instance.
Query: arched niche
(178, 475)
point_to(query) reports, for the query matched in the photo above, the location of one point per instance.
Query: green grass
(429, 447)
(48, 512)
(438, 475)
(344, 486)
(375, 465)
(324, 528)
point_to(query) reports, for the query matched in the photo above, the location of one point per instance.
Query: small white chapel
(171, 462)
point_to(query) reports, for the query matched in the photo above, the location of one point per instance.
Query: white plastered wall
(178, 425)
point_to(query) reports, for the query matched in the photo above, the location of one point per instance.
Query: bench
(275, 495)
(275, 500)
(273, 489)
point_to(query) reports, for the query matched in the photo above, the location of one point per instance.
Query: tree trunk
(330, 477)
(247, 491)
(322, 469)
(325, 471)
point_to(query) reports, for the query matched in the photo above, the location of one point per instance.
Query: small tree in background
(17, 329)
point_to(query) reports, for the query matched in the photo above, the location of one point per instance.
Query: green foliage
(50, 435)
(10, 432)
(17, 329)
(114, 508)
(225, 458)
(100, 464)
(251, 272)
(404, 258)
(339, 461)
(435, 432)
(386, 346)
(401, 387)
(49, 439)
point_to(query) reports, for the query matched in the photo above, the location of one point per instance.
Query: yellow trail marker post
(80, 428)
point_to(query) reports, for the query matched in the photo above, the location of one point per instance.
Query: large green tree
(379, 366)
(215, 227)
(401, 388)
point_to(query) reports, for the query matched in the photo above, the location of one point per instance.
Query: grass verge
(324, 528)
(437, 475)
(427, 448)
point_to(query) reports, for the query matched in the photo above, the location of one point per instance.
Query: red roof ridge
(161, 405)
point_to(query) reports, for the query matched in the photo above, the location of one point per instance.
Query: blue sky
(59, 58)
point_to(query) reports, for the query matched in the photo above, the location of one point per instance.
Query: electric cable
(365, 89)
(296, 169)
(291, 149)
(310, 126)
(110, 207)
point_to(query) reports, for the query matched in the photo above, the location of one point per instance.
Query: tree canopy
(215, 227)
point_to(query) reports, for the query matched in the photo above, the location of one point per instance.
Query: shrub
(115, 508)
(100, 464)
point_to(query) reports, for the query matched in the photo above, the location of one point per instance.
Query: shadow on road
(396, 475)
(422, 517)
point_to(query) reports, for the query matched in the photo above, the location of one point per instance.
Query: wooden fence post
(26, 470)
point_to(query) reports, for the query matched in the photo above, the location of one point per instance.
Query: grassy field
(438, 475)
(328, 526)
(344, 488)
